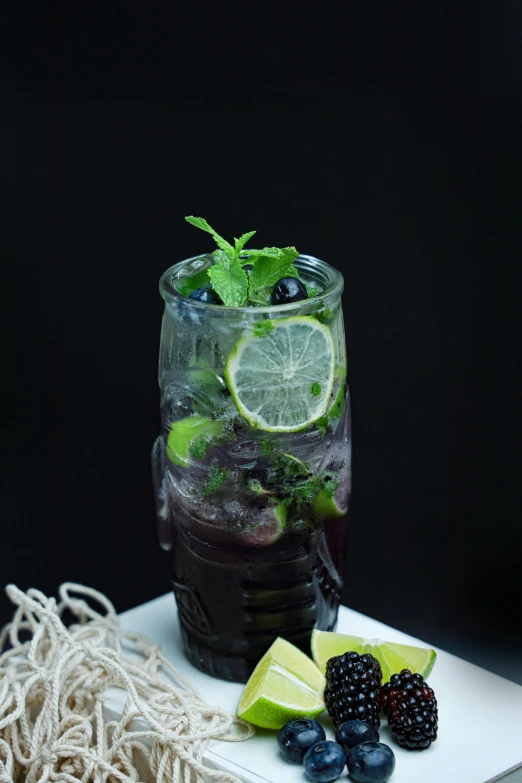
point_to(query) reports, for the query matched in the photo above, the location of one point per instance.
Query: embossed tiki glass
(255, 520)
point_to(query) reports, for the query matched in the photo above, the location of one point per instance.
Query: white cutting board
(480, 714)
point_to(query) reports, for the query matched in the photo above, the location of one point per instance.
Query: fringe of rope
(53, 687)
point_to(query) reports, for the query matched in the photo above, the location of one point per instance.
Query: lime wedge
(185, 431)
(393, 657)
(285, 684)
(325, 507)
(282, 382)
(337, 408)
(267, 527)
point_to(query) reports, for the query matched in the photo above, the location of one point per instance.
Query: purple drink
(251, 502)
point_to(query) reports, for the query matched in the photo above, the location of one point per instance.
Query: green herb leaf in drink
(262, 328)
(198, 448)
(270, 265)
(227, 276)
(216, 477)
(201, 223)
(241, 242)
(312, 290)
(230, 281)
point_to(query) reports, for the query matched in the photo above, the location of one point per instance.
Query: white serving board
(480, 714)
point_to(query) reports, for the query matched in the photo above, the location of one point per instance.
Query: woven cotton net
(56, 681)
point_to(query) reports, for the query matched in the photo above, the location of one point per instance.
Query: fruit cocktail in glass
(252, 469)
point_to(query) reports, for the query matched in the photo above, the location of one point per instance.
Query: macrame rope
(53, 686)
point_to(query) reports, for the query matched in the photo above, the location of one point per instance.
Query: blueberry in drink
(252, 467)
(287, 290)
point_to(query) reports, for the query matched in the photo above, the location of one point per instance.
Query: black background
(382, 137)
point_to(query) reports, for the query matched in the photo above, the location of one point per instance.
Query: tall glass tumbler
(252, 503)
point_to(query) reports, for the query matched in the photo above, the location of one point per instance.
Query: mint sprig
(230, 282)
(227, 276)
(268, 269)
(216, 477)
(204, 226)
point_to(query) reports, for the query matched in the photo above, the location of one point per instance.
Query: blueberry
(371, 762)
(205, 294)
(353, 732)
(297, 736)
(288, 289)
(324, 762)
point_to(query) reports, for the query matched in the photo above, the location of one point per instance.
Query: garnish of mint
(292, 479)
(216, 477)
(262, 328)
(229, 279)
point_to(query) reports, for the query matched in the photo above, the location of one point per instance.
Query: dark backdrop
(383, 139)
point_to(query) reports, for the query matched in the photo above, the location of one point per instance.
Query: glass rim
(333, 289)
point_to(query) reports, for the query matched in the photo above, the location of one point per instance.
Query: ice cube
(193, 268)
(233, 509)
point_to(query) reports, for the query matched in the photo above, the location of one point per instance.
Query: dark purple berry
(287, 290)
(352, 688)
(297, 736)
(353, 732)
(411, 709)
(370, 762)
(205, 294)
(324, 762)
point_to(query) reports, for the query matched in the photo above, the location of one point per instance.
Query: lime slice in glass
(267, 528)
(325, 507)
(285, 684)
(282, 382)
(393, 657)
(185, 431)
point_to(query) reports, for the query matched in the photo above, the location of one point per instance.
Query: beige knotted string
(53, 688)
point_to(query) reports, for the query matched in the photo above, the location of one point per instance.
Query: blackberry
(411, 709)
(352, 688)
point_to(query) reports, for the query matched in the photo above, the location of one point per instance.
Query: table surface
(480, 713)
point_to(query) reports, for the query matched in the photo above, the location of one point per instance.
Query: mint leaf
(324, 316)
(241, 242)
(230, 283)
(216, 476)
(256, 486)
(267, 271)
(268, 252)
(198, 448)
(315, 389)
(261, 296)
(304, 491)
(331, 485)
(270, 265)
(288, 254)
(201, 223)
(262, 328)
(227, 276)
(267, 447)
(312, 290)
(282, 254)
